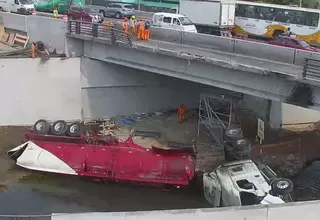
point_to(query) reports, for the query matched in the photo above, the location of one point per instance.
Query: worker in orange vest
(33, 50)
(147, 30)
(140, 33)
(125, 26)
(180, 112)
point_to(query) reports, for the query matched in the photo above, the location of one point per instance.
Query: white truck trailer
(214, 17)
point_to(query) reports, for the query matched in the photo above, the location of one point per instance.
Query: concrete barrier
(265, 51)
(293, 211)
(32, 90)
(14, 21)
(168, 35)
(208, 41)
(144, 14)
(300, 56)
(52, 32)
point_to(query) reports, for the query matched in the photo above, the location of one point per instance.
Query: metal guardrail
(99, 30)
(311, 68)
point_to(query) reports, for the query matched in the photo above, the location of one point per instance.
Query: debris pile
(18, 45)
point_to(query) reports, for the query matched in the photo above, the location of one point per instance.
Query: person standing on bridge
(125, 26)
(147, 30)
(55, 12)
(140, 33)
(132, 24)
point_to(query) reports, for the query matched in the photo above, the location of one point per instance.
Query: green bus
(63, 5)
(145, 5)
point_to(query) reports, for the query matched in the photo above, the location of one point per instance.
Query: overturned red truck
(65, 149)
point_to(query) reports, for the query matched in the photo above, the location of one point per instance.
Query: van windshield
(26, 2)
(185, 21)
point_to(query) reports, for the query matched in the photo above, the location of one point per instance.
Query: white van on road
(17, 6)
(173, 21)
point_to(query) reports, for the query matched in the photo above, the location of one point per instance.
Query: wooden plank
(11, 38)
(21, 40)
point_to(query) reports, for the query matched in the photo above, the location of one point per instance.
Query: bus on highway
(63, 5)
(269, 20)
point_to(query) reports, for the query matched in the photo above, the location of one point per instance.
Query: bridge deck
(232, 59)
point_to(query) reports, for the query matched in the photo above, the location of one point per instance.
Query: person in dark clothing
(147, 30)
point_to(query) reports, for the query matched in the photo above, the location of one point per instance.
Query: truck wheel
(75, 129)
(102, 13)
(59, 128)
(41, 127)
(281, 186)
(242, 144)
(233, 133)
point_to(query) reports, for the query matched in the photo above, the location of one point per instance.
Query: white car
(241, 182)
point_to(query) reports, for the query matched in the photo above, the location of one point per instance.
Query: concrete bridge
(283, 81)
(114, 65)
(253, 68)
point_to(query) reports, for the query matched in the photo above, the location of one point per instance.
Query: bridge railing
(98, 30)
(311, 68)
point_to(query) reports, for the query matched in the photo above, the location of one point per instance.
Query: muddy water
(43, 194)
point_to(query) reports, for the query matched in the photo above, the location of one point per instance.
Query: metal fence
(311, 68)
(98, 30)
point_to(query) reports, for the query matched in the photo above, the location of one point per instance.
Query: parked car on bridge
(292, 43)
(84, 13)
(117, 10)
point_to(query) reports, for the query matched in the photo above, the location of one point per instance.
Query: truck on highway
(210, 17)
(63, 5)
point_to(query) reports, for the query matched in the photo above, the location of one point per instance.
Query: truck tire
(232, 134)
(41, 127)
(281, 186)
(241, 145)
(75, 129)
(59, 128)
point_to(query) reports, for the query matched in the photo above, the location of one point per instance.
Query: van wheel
(118, 15)
(281, 186)
(1, 9)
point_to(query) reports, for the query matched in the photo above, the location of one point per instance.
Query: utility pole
(139, 5)
(300, 3)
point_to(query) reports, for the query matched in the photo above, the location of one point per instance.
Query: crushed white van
(241, 183)
(17, 6)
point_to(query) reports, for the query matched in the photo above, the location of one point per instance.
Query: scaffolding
(216, 113)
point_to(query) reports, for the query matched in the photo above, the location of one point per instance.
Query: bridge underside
(271, 86)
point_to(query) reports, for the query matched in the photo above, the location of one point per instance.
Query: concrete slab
(231, 58)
